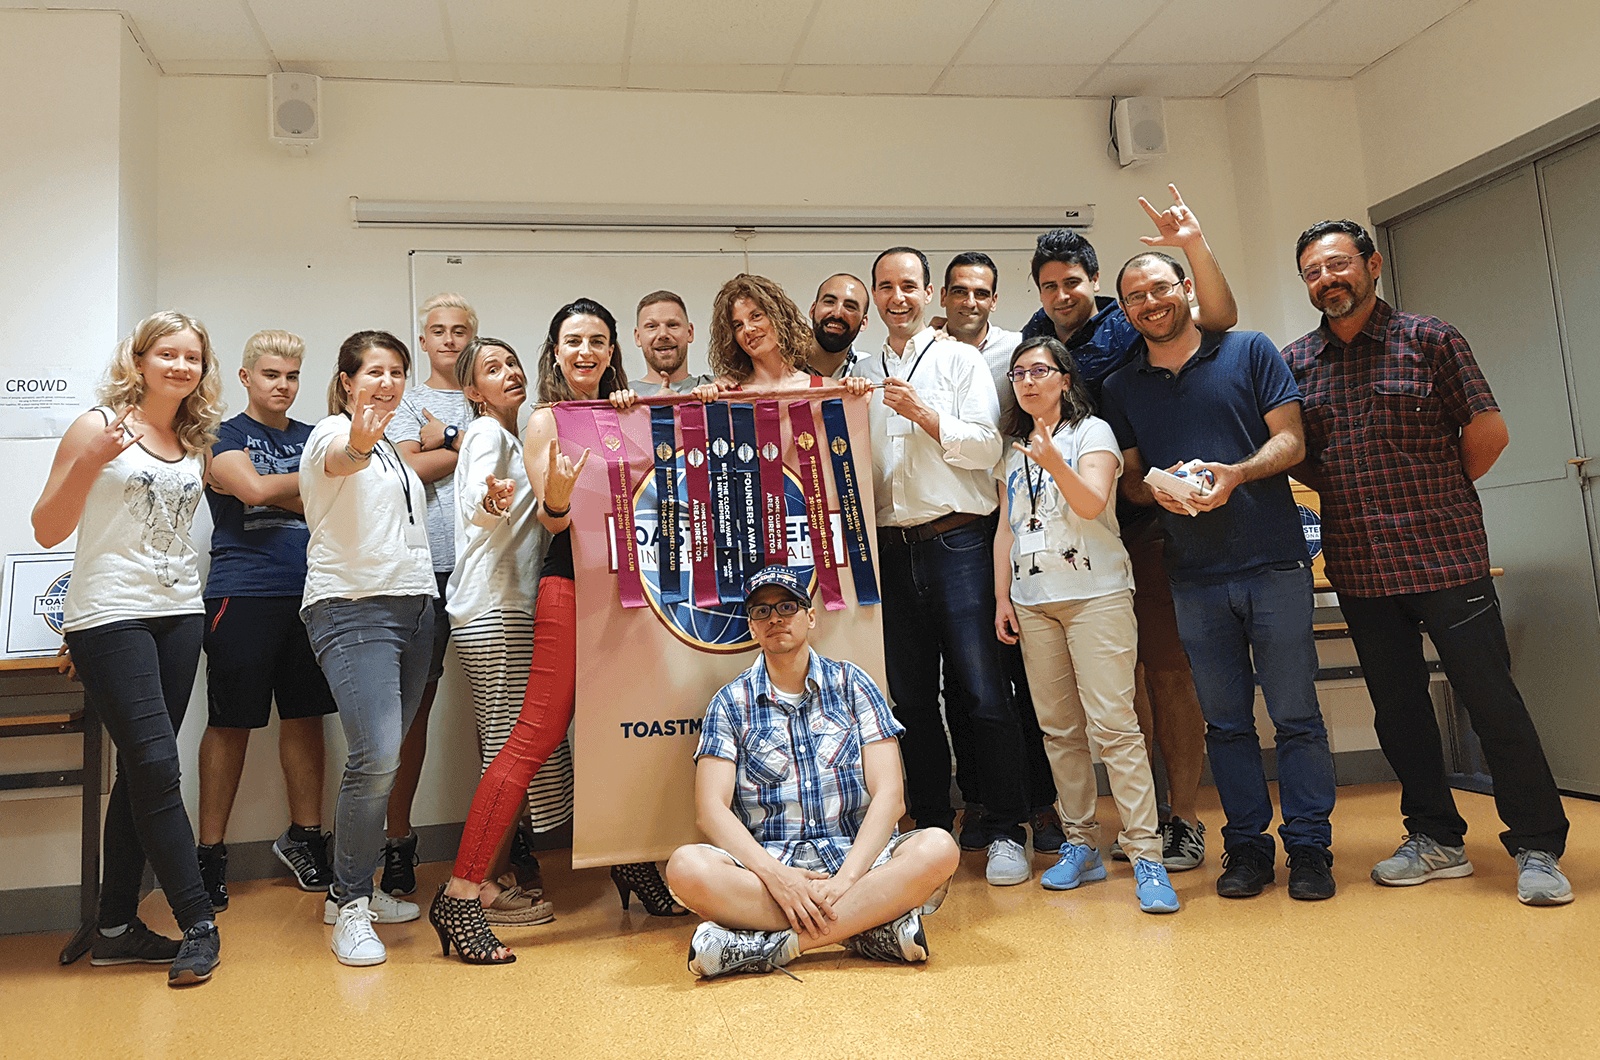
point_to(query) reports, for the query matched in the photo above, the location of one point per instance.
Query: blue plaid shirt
(799, 777)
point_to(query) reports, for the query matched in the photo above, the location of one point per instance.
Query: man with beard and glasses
(663, 334)
(1236, 556)
(1399, 422)
(837, 316)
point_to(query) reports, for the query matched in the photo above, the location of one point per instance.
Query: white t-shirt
(1082, 558)
(446, 406)
(369, 530)
(497, 557)
(135, 558)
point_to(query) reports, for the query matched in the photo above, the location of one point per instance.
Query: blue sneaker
(1078, 864)
(1153, 888)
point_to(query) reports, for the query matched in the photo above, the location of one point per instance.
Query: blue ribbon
(669, 531)
(857, 542)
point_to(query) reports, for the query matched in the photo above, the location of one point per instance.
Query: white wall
(77, 213)
(1491, 71)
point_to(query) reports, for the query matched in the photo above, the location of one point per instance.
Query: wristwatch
(452, 434)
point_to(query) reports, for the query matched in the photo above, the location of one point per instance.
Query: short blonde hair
(123, 387)
(273, 343)
(447, 300)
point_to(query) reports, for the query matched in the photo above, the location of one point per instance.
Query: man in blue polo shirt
(1241, 577)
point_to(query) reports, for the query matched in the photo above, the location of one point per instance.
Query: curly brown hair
(792, 328)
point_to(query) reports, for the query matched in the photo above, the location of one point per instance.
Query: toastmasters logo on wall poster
(34, 602)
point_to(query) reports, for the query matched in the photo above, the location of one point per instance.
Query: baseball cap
(781, 577)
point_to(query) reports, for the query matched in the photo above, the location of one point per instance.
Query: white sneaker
(384, 909)
(1008, 864)
(354, 941)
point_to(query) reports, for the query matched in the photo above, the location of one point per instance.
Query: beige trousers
(1080, 656)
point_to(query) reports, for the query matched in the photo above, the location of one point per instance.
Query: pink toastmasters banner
(647, 668)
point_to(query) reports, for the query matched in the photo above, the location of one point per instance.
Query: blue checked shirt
(799, 777)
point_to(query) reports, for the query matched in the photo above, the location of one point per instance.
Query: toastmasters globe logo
(51, 605)
(722, 629)
(1311, 526)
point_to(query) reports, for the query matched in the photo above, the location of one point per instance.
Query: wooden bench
(22, 680)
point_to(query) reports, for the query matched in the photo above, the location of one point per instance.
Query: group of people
(1037, 596)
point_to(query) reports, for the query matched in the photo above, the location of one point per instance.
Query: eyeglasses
(1311, 273)
(1160, 290)
(1034, 372)
(783, 609)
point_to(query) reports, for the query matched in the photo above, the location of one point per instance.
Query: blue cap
(781, 577)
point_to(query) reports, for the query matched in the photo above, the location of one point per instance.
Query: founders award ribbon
(851, 515)
(669, 534)
(774, 514)
(746, 489)
(807, 446)
(629, 584)
(702, 568)
(730, 577)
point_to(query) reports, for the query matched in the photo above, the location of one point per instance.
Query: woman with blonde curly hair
(127, 477)
(759, 340)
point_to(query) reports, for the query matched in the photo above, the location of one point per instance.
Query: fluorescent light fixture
(614, 218)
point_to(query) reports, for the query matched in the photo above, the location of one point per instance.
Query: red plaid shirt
(1383, 419)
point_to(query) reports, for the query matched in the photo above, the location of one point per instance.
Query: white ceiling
(1029, 48)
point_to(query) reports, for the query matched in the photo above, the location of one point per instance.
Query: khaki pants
(1080, 656)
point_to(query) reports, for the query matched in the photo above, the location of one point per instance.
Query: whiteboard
(516, 292)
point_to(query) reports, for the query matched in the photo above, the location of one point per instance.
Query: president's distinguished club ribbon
(702, 560)
(719, 446)
(630, 587)
(851, 515)
(746, 489)
(669, 534)
(807, 446)
(774, 514)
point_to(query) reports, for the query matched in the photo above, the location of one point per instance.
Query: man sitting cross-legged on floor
(798, 783)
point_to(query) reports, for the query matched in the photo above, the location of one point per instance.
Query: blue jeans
(375, 653)
(137, 677)
(938, 606)
(1266, 614)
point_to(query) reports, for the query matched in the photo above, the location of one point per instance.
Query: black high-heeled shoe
(641, 878)
(460, 921)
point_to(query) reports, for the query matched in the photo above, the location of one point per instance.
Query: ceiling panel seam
(261, 36)
(965, 43)
(799, 44)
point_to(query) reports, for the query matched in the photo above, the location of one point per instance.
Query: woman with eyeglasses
(580, 361)
(1063, 584)
(368, 608)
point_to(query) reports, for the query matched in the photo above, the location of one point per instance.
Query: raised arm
(89, 445)
(1215, 309)
(551, 475)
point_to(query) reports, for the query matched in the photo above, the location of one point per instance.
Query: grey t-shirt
(446, 406)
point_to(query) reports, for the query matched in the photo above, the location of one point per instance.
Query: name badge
(1031, 541)
(417, 532)
(899, 426)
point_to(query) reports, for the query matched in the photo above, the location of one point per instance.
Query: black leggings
(137, 676)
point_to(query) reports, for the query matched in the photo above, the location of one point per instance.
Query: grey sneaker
(901, 941)
(308, 860)
(384, 910)
(198, 955)
(1183, 845)
(1419, 859)
(137, 945)
(1539, 879)
(1008, 864)
(715, 950)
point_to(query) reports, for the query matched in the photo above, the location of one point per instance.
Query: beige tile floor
(1450, 969)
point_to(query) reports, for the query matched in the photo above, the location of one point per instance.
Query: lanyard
(884, 357)
(405, 483)
(1027, 473)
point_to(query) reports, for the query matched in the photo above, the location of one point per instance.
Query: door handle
(1585, 472)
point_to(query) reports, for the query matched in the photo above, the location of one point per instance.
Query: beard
(666, 361)
(830, 342)
(1338, 301)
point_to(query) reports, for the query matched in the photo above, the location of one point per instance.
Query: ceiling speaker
(294, 109)
(1141, 124)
